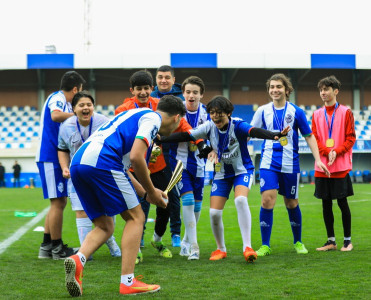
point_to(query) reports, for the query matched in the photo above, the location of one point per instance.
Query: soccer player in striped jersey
(72, 134)
(57, 109)
(192, 183)
(98, 174)
(233, 168)
(279, 165)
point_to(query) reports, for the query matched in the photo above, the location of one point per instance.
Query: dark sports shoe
(347, 246)
(328, 246)
(45, 251)
(62, 251)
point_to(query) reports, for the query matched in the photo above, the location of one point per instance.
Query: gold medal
(192, 147)
(330, 143)
(218, 167)
(156, 151)
(283, 141)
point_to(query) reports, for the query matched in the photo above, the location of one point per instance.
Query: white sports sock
(82, 258)
(127, 279)
(216, 220)
(84, 226)
(156, 237)
(244, 220)
(189, 218)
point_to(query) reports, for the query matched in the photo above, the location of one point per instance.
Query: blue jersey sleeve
(242, 129)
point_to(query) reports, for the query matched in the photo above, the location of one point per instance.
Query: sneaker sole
(140, 293)
(193, 257)
(251, 258)
(44, 257)
(72, 285)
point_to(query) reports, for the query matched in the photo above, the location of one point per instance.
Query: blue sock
(266, 223)
(198, 205)
(295, 221)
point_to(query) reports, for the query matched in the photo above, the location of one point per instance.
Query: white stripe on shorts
(50, 179)
(126, 189)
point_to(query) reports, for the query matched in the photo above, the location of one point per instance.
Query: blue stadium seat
(111, 113)
(1, 114)
(5, 129)
(10, 134)
(37, 123)
(6, 119)
(351, 175)
(37, 113)
(35, 134)
(26, 114)
(1, 124)
(19, 119)
(358, 176)
(30, 129)
(11, 124)
(21, 145)
(33, 108)
(17, 129)
(24, 123)
(13, 114)
(357, 122)
(23, 134)
(28, 139)
(30, 119)
(304, 176)
(311, 176)
(366, 176)
(8, 146)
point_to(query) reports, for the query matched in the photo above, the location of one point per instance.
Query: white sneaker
(114, 249)
(195, 252)
(185, 249)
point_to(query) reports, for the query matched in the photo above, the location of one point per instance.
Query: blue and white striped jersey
(180, 151)
(47, 150)
(109, 147)
(235, 159)
(275, 157)
(70, 138)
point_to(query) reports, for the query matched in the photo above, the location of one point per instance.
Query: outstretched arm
(261, 133)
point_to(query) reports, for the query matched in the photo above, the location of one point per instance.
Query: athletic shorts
(287, 184)
(333, 188)
(222, 187)
(52, 181)
(103, 192)
(190, 183)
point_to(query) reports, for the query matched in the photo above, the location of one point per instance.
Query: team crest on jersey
(232, 140)
(214, 188)
(289, 118)
(59, 104)
(262, 182)
(179, 185)
(154, 132)
(60, 187)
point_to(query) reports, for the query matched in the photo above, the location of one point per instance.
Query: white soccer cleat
(195, 252)
(185, 249)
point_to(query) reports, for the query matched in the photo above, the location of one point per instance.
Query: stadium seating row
(356, 176)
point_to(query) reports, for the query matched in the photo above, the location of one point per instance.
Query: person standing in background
(333, 127)
(16, 174)
(165, 80)
(2, 175)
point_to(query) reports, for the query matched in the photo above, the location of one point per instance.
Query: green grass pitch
(284, 274)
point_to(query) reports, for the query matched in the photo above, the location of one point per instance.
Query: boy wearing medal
(279, 165)
(233, 168)
(192, 183)
(72, 134)
(333, 127)
(141, 83)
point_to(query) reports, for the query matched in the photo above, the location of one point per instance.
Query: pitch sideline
(21, 231)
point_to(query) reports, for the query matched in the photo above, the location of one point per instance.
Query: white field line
(21, 231)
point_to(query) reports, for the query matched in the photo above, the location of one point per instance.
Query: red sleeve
(350, 134)
(323, 150)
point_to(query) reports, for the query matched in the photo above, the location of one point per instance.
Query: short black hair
(172, 105)
(330, 81)
(79, 95)
(166, 68)
(140, 78)
(70, 80)
(220, 103)
(196, 81)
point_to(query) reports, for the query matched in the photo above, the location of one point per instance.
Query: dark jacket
(176, 90)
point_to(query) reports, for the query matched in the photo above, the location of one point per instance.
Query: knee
(215, 215)
(240, 201)
(58, 203)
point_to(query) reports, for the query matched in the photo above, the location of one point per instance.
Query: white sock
(82, 258)
(127, 279)
(189, 218)
(216, 220)
(84, 226)
(332, 239)
(244, 220)
(156, 237)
